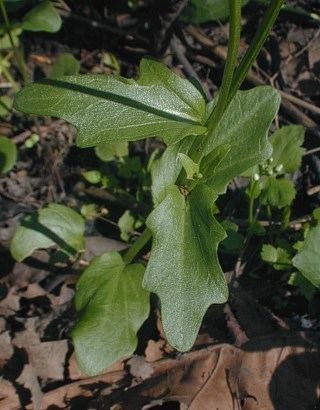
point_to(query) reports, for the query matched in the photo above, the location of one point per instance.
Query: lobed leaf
(243, 127)
(278, 257)
(112, 306)
(278, 192)
(111, 108)
(183, 269)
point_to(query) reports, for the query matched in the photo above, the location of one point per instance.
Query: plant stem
(17, 52)
(197, 148)
(256, 45)
(136, 247)
(10, 79)
(251, 203)
(252, 189)
(232, 56)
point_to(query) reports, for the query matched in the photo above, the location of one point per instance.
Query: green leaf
(174, 88)
(201, 11)
(8, 155)
(183, 269)
(305, 287)
(234, 241)
(65, 64)
(278, 192)
(5, 42)
(112, 306)
(307, 259)
(211, 161)
(53, 225)
(191, 168)
(243, 127)
(106, 109)
(126, 225)
(257, 229)
(89, 211)
(108, 152)
(43, 17)
(279, 258)
(93, 176)
(287, 149)
(165, 171)
(316, 214)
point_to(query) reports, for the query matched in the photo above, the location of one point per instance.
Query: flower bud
(279, 168)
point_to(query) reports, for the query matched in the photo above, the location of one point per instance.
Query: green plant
(8, 155)
(208, 144)
(43, 17)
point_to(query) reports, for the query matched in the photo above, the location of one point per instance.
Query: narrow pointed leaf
(112, 306)
(110, 108)
(244, 127)
(191, 168)
(166, 170)
(183, 269)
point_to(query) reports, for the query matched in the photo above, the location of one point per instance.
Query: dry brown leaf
(11, 303)
(46, 358)
(28, 379)
(275, 372)
(9, 399)
(6, 348)
(154, 350)
(139, 368)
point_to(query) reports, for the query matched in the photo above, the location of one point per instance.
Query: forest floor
(259, 351)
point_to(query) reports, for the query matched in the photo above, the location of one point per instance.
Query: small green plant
(43, 17)
(208, 144)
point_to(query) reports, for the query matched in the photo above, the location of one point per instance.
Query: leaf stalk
(231, 63)
(136, 247)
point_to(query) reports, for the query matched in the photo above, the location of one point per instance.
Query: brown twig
(177, 49)
(312, 151)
